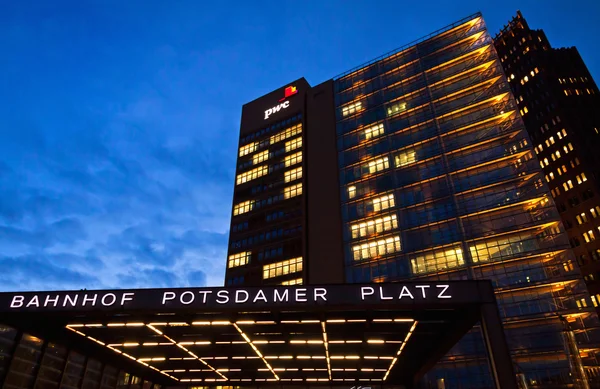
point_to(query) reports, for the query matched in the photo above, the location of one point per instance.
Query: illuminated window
(293, 174)
(239, 259)
(252, 174)
(243, 207)
(260, 157)
(293, 159)
(250, 148)
(582, 218)
(405, 158)
(374, 226)
(277, 269)
(287, 133)
(374, 131)
(581, 303)
(551, 139)
(589, 236)
(293, 144)
(295, 281)
(594, 301)
(568, 185)
(545, 162)
(581, 178)
(351, 108)
(383, 202)
(376, 248)
(437, 260)
(396, 108)
(292, 191)
(351, 192)
(378, 165)
(551, 176)
(570, 146)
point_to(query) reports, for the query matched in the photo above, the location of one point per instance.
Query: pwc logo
(289, 91)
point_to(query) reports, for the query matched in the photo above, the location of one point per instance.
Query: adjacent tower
(560, 104)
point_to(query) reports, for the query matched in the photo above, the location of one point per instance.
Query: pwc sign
(289, 91)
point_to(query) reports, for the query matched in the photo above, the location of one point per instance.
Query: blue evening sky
(119, 119)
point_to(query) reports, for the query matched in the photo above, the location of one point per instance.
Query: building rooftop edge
(410, 44)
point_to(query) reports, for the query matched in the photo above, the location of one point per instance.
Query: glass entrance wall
(28, 362)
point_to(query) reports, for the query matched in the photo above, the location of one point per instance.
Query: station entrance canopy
(369, 335)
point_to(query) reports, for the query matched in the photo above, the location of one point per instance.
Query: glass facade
(28, 362)
(438, 179)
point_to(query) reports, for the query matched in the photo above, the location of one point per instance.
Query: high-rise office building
(417, 165)
(560, 105)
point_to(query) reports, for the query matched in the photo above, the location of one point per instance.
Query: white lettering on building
(277, 108)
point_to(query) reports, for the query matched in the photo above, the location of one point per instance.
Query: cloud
(36, 273)
(105, 186)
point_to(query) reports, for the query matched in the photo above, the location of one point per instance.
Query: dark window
(574, 201)
(7, 343)
(73, 371)
(109, 378)
(93, 373)
(53, 363)
(24, 363)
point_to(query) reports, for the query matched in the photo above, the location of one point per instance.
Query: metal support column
(497, 349)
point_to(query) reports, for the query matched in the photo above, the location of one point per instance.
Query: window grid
(374, 131)
(378, 165)
(249, 148)
(351, 108)
(396, 108)
(277, 269)
(374, 226)
(252, 174)
(351, 192)
(438, 260)
(383, 202)
(295, 281)
(293, 174)
(405, 158)
(293, 159)
(243, 207)
(292, 191)
(293, 144)
(260, 157)
(287, 133)
(376, 248)
(239, 259)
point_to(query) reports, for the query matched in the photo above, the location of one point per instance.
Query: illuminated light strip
(326, 344)
(185, 349)
(408, 335)
(122, 353)
(247, 339)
